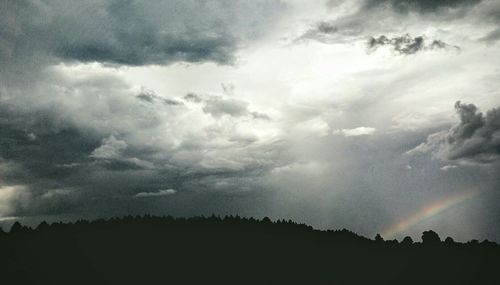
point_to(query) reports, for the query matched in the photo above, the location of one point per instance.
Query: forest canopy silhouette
(232, 250)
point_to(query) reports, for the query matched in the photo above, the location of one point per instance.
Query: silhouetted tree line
(233, 250)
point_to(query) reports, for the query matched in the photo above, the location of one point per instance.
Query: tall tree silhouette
(407, 241)
(430, 238)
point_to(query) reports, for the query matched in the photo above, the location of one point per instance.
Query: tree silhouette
(407, 241)
(449, 241)
(231, 250)
(17, 228)
(474, 242)
(430, 238)
(43, 226)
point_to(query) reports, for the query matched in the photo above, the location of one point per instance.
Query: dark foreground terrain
(154, 250)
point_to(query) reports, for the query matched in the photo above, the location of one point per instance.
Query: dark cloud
(45, 161)
(327, 28)
(130, 32)
(403, 45)
(333, 31)
(439, 44)
(492, 36)
(146, 97)
(218, 106)
(172, 102)
(381, 15)
(420, 6)
(91, 148)
(475, 139)
(407, 44)
(36, 140)
(191, 97)
(62, 170)
(151, 97)
(257, 115)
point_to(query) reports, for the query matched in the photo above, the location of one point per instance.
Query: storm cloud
(476, 138)
(421, 6)
(130, 32)
(492, 36)
(332, 31)
(97, 138)
(365, 18)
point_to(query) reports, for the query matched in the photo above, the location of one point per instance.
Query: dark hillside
(164, 250)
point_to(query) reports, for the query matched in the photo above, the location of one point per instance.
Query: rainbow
(427, 212)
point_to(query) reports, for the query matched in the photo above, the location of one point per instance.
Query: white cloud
(162, 192)
(359, 131)
(110, 148)
(448, 167)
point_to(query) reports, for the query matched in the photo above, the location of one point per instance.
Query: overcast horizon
(377, 116)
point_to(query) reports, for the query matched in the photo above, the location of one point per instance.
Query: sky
(378, 116)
